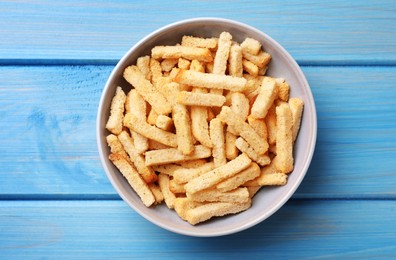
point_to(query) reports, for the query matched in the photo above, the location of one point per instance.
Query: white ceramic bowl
(269, 199)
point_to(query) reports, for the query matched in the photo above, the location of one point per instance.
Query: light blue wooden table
(55, 199)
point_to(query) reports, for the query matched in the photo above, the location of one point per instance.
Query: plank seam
(102, 197)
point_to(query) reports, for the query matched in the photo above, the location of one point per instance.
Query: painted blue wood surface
(49, 147)
(309, 229)
(336, 31)
(55, 200)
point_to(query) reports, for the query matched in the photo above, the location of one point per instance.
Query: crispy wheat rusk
(114, 123)
(156, 70)
(134, 179)
(251, 46)
(244, 147)
(265, 99)
(230, 148)
(262, 71)
(157, 101)
(143, 63)
(147, 173)
(222, 53)
(152, 117)
(219, 174)
(199, 125)
(259, 126)
(168, 64)
(250, 173)
(244, 130)
(183, 204)
(284, 138)
(273, 179)
(192, 163)
(252, 85)
(154, 145)
(214, 209)
(191, 41)
(136, 105)
(149, 131)
(156, 190)
(176, 188)
(270, 121)
(169, 197)
(210, 81)
(261, 60)
(168, 169)
(182, 121)
(176, 52)
(185, 175)
(196, 65)
(240, 104)
(116, 146)
(235, 61)
(164, 122)
(283, 91)
(183, 64)
(216, 130)
(253, 190)
(200, 99)
(170, 91)
(269, 176)
(239, 195)
(296, 106)
(172, 155)
(250, 67)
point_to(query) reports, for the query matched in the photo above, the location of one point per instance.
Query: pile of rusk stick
(202, 128)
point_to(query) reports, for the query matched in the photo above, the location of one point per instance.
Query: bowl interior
(268, 199)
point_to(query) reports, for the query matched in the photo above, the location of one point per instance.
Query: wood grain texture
(48, 142)
(48, 146)
(330, 32)
(109, 229)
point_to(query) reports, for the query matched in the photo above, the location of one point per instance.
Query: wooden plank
(48, 146)
(109, 229)
(48, 143)
(356, 132)
(337, 31)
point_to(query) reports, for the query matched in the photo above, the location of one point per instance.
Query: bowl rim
(310, 146)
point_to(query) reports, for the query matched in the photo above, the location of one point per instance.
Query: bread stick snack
(200, 99)
(147, 172)
(176, 52)
(210, 81)
(221, 173)
(181, 118)
(191, 41)
(244, 130)
(235, 61)
(218, 140)
(284, 138)
(203, 128)
(114, 123)
(237, 180)
(296, 106)
(136, 105)
(134, 179)
(265, 99)
(146, 89)
(172, 155)
(151, 132)
(207, 211)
